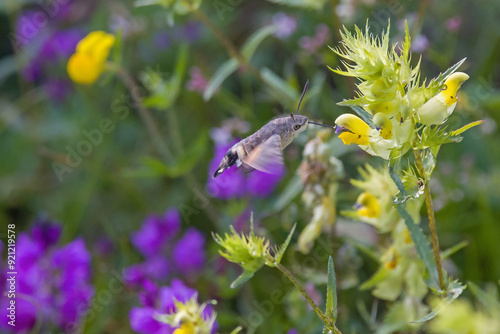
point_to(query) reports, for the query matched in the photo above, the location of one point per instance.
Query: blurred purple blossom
(420, 44)
(49, 46)
(56, 279)
(285, 25)
(155, 301)
(292, 331)
(453, 24)
(155, 232)
(312, 44)
(236, 182)
(197, 82)
(163, 256)
(189, 252)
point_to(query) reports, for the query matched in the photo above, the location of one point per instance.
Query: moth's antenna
(303, 93)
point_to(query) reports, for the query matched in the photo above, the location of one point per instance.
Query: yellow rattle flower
(87, 63)
(441, 106)
(353, 129)
(367, 205)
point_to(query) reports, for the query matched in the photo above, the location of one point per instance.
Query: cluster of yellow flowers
(390, 97)
(400, 275)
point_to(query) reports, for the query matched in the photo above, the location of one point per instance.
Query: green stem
(315, 307)
(144, 113)
(430, 215)
(230, 47)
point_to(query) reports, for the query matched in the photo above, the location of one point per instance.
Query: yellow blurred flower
(186, 328)
(367, 205)
(87, 63)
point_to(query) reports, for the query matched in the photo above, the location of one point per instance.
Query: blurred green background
(43, 116)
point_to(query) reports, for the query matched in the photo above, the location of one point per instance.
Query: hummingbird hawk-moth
(263, 149)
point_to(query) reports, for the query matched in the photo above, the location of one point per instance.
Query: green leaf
(452, 250)
(279, 86)
(365, 116)
(465, 128)
(453, 290)
(237, 330)
(422, 246)
(245, 276)
(165, 92)
(152, 167)
(281, 250)
(487, 299)
(253, 42)
(397, 181)
(221, 74)
(331, 293)
(308, 4)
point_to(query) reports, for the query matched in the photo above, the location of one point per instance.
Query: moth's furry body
(264, 146)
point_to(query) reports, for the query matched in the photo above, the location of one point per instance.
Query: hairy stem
(315, 307)
(432, 220)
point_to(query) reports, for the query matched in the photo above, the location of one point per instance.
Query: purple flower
(61, 44)
(27, 28)
(312, 44)
(292, 331)
(420, 44)
(162, 39)
(285, 25)
(56, 280)
(197, 82)
(45, 233)
(189, 252)
(155, 232)
(263, 184)
(454, 23)
(155, 241)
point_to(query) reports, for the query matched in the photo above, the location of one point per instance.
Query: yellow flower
(353, 129)
(186, 328)
(383, 124)
(441, 106)
(367, 205)
(87, 63)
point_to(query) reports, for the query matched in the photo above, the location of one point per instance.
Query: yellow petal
(84, 69)
(97, 43)
(368, 205)
(452, 85)
(355, 130)
(185, 329)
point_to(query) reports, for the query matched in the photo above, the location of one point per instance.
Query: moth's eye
(296, 127)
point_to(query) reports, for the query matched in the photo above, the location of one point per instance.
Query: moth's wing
(267, 157)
